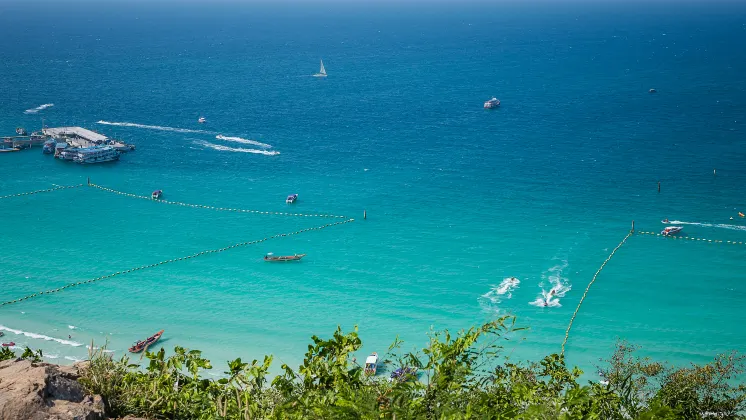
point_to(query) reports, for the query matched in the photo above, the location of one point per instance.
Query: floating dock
(83, 137)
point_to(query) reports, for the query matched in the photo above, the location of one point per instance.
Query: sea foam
(236, 149)
(153, 127)
(38, 108)
(40, 336)
(243, 141)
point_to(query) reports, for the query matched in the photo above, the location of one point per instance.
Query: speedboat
(291, 198)
(142, 345)
(283, 258)
(157, 194)
(665, 221)
(371, 364)
(492, 103)
(671, 230)
(201, 120)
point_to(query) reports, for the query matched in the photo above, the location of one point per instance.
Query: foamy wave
(710, 225)
(38, 108)
(558, 287)
(51, 356)
(74, 359)
(243, 141)
(72, 327)
(153, 127)
(491, 299)
(237, 149)
(40, 336)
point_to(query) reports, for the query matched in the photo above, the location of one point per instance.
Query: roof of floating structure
(78, 131)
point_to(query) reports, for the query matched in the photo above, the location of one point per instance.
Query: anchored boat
(283, 258)
(142, 345)
(157, 194)
(492, 103)
(291, 198)
(201, 120)
(371, 364)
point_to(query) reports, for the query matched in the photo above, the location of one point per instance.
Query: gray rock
(43, 391)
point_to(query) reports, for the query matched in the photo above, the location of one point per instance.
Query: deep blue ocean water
(458, 198)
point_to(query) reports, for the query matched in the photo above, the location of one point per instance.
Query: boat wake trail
(490, 300)
(243, 141)
(236, 149)
(154, 127)
(38, 108)
(40, 336)
(710, 225)
(558, 287)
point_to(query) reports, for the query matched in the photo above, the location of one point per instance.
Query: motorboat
(291, 198)
(652, 91)
(492, 103)
(157, 194)
(11, 344)
(49, 147)
(283, 258)
(665, 221)
(142, 345)
(201, 120)
(21, 131)
(671, 230)
(371, 364)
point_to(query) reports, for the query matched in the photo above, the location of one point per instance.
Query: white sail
(322, 71)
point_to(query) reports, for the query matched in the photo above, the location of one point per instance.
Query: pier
(82, 137)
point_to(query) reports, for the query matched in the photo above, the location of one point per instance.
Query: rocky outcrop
(43, 391)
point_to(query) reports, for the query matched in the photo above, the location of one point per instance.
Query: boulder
(43, 391)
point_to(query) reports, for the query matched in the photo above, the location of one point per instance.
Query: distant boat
(11, 344)
(283, 258)
(142, 345)
(291, 198)
(322, 71)
(371, 364)
(157, 194)
(652, 91)
(201, 120)
(492, 103)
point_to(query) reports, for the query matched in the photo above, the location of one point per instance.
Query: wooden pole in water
(89, 180)
(365, 214)
(659, 186)
(633, 226)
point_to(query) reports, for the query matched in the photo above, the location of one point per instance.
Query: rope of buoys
(572, 319)
(62, 187)
(200, 206)
(119, 273)
(690, 238)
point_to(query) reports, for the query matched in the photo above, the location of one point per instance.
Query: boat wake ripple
(558, 287)
(710, 225)
(154, 127)
(38, 108)
(243, 141)
(495, 296)
(40, 336)
(236, 149)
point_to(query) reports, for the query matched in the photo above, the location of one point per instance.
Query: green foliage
(458, 376)
(6, 354)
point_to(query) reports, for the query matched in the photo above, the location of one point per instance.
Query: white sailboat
(322, 71)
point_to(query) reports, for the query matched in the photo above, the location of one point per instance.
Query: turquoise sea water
(458, 198)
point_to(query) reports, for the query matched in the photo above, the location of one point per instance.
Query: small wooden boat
(157, 195)
(12, 149)
(11, 344)
(283, 258)
(142, 345)
(291, 198)
(371, 364)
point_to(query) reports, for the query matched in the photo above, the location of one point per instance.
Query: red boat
(142, 345)
(9, 344)
(272, 258)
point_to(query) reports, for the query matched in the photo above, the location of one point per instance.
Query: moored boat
(142, 345)
(371, 364)
(671, 230)
(492, 103)
(49, 147)
(201, 120)
(291, 198)
(11, 344)
(283, 258)
(157, 194)
(96, 154)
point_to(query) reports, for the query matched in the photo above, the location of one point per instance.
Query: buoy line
(195, 255)
(567, 333)
(690, 238)
(61, 187)
(200, 206)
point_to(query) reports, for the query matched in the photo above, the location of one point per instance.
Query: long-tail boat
(283, 258)
(142, 345)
